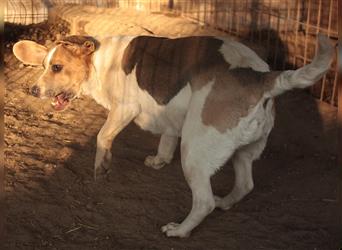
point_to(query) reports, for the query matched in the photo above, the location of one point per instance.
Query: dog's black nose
(35, 91)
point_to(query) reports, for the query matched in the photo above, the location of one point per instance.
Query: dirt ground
(52, 201)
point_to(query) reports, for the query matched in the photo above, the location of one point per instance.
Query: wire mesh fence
(25, 11)
(288, 29)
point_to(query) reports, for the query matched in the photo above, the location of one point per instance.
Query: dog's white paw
(153, 161)
(222, 203)
(103, 166)
(174, 230)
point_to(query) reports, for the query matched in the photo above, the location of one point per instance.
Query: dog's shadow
(127, 209)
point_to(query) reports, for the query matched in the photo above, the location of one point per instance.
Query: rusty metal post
(339, 121)
(171, 4)
(2, 94)
(32, 10)
(339, 105)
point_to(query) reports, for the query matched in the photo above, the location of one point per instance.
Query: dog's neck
(106, 70)
(94, 88)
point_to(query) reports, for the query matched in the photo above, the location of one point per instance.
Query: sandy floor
(53, 203)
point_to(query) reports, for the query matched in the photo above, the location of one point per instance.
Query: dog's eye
(56, 68)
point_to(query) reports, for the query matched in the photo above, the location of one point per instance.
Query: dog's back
(164, 66)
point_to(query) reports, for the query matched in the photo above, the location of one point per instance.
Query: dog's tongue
(59, 102)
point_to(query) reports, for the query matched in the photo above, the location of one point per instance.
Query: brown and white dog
(214, 93)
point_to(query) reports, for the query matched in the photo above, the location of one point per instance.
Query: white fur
(49, 56)
(239, 55)
(108, 75)
(47, 68)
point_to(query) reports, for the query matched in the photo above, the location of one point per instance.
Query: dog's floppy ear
(86, 48)
(30, 52)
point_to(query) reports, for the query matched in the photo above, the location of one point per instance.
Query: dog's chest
(164, 66)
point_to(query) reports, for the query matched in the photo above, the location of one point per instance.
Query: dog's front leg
(118, 118)
(166, 149)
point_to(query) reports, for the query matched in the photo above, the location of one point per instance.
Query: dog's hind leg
(199, 162)
(202, 198)
(166, 149)
(203, 151)
(118, 118)
(242, 162)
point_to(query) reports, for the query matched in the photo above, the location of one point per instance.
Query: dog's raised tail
(310, 73)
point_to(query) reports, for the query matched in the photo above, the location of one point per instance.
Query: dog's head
(66, 66)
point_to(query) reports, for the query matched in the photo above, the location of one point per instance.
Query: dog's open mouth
(60, 101)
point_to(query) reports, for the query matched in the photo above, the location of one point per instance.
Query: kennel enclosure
(52, 199)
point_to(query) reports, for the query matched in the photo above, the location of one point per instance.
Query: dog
(214, 93)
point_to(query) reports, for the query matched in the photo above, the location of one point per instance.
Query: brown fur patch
(164, 66)
(233, 94)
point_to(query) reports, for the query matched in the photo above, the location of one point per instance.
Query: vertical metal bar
(246, 23)
(210, 12)
(339, 104)
(19, 7)
(25, 15)
(339, 119)
(216, 11)
(318, 25)
(324, 80)
(296, 34)
(230, 25)
(259, 24)
(198, 11)
(269, 25)
(32, 11)
(334, 87)
(278, 18)
(330, 17)
(213, 13)
(288, 7)
(307, 32)
(251, 25)
(232, 17)
(329, 32)
(185, 9)
(6, 17)
(191, 9)
(223, 18)
(238, 19)
(205, 12)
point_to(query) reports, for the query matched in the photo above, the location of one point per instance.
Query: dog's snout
(35, 91)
